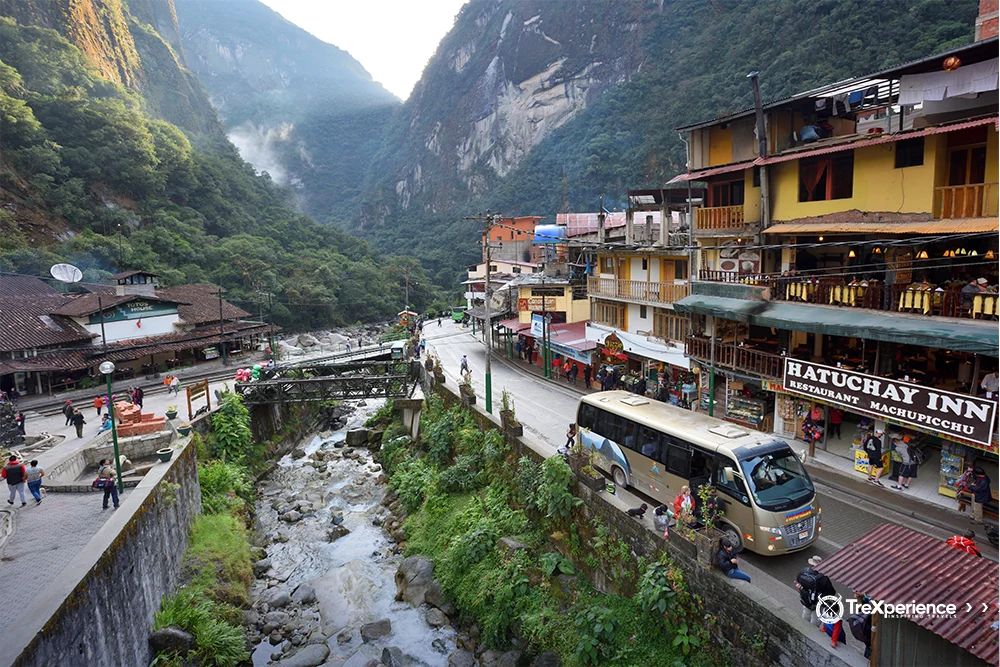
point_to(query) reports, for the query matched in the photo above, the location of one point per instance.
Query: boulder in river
(261, 567)
(357, 437)
(366, 656)
(171, 639)
(336, 533)
(490, 658)
(413, 578)
(304, 594)
(276, 597)
(511, 659)
(392, 656)
(461, 658)
(435, 617)
(310, 655)
(436, 598)
(291, 516)
(307, 340)
(376, 630)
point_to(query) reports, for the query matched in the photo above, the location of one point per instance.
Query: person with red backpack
(15, 473)
(966, 543)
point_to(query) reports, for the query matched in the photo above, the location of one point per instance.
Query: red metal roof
(897, 565)
(573, 336)
(514, 324)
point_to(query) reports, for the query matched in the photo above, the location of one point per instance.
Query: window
(910, 153)
(728, 194)
(645, 264)
(756, 177)
(668, 325)
(493, 267)
(588, 416)
(516, 269)
(734, 489)
(680, 269)
(678, 456)
(607, 264)
(825, 178)
(630, 430)
(649, 443)
(608, 314)
(642, 312)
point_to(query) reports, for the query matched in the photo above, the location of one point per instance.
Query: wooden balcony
(730, 355)
(637, 290)
(719, 217)
(977, 200)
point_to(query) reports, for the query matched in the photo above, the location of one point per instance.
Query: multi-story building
(867, 261)
(511, 240)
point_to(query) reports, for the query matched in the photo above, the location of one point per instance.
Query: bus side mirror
(729, 474)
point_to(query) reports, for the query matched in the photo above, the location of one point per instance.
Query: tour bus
(770, 504)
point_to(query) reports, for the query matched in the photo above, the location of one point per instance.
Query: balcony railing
(710, 275)
(730, 355)
(977, 200)
(637, 290)
(719, 217)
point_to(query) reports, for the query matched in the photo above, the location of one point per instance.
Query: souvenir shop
(750, 403)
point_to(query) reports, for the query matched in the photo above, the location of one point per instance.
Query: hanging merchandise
(953, 457)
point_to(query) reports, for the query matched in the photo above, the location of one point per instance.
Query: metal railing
(719, 217)
(637, 290)
(730, 355)
(976, 200)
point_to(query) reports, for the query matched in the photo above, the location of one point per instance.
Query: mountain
(93, 173)
(303, 110)
(538, 107)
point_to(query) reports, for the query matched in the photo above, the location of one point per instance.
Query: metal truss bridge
(337, 381)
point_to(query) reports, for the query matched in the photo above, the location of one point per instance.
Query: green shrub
(225, 488)
(394, 452)
(552, 562)
(596, 627)
(231, 428)
(529, 478)
(412, 480)
(381, 417)
(463, 475)
(554, 498)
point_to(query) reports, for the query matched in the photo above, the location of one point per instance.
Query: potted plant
(184, 430)
(511, 426)
(466, 390)
(591, 478)
(171, 412)
(165, 454)
(438, 371)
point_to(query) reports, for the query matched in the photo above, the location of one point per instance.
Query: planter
(468, 394)
(429, 365)
(511, 427)
(184, 430)
(683, 544)
(165, 454)
(576, 462)
(594, 483)
(707, 545)
(438, 376)
(171, 414)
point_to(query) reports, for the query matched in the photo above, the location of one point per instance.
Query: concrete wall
(68, 471)
(99, 610)
(742, 612)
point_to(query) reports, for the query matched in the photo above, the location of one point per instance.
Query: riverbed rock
(377, 521)
(511, 659)
(357, 437)
(307, 340)
(413, 577)
(291, 516)
(337, 519)
(436, 598)
(310, 655)
(275, 637)
(435, 617)
(298, 453)
(274, 620)
(304, 594)
(345, 636)
(276, 597)
(490, 658)
(376, 630)
(440, 645)
(461, 658)
(261, 567)
(366, 656)
(511, 546)
(466, 642)
(546, 659)
(336, 533)
(171, 639)
(392, 656)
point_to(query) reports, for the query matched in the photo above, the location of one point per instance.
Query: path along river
(353, 575)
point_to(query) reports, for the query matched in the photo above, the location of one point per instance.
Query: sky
(392, 39)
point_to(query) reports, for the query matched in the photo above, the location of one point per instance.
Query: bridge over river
(332, 380)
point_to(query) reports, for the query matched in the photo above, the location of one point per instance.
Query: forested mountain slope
(536, 107)
(303, 110)
(90, 173)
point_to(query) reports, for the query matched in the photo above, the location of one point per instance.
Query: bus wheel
(733, 536)
(619, 476)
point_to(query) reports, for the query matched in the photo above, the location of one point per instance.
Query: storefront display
(952, 466)
(748, 405)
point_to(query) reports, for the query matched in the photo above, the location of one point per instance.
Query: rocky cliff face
(508, 74)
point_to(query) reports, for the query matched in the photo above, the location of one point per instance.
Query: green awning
(973, 336)
(740, 310)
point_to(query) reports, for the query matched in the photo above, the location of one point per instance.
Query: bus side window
(649, 443)
(678, 456)
(587, 416)
(608, 425)
(734, 489)
(631, 440)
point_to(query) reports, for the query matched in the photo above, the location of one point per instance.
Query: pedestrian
(530, 351)
(586, 375)
(34, 479)
(78, 422)
(966, 543)
(175, 385)
(811, 586)
(571, 436)
(908, 469)
(106, 400)
(348, 346)
(873, 447)
(68, 412)
(517, 349)
(836, 417)
(439, 321)
(423, 345)
(728, 563)
(463, 366)
(98, 404)
(360, 343)
(15, 395)
(110, 489)
(19, 420)
(139, 396)
(683, 505)
(573, 372)
(15, 473)
(980, 490)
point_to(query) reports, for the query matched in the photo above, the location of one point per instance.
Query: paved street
(546, 408)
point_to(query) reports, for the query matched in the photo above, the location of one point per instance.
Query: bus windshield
(777, 479)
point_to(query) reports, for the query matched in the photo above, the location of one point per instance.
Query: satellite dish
(66, 273)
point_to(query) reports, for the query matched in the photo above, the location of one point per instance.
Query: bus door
(736, 503)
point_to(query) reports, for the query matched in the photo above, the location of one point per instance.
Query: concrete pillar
(629, 228)
(409, 409)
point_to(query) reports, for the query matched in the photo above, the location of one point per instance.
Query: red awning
(896, 565)
(514, 324)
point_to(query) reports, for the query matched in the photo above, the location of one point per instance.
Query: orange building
(511, 238)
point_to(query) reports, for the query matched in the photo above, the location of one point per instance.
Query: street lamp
(107, 368)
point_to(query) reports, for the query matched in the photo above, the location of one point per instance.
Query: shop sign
(945, 412)
(614, 344)
(537, 326)
(768, 385)
(537, 303)
(134, 310)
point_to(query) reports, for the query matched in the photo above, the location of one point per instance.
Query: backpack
(808, 579)
(861, 627)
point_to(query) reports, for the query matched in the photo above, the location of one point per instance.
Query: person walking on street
(586, 375)
(107, 472)
(15, 396)
(15, 473)
(811, 586)
(571, 436)
(836, 417)
(34, 479)
(463, 366)
(729, 563)
(908, 469)
(873, 447)
(980, 490)
(966, 543)
(98, 404)
(139, 396)
(573, 372)
(566, 369)
(68, 412)
(78, 422)
(20, 421)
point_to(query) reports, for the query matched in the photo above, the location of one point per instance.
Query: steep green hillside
(603, 85)
(87, 177)
(295, 106)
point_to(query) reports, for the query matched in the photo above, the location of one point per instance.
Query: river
(353, 576)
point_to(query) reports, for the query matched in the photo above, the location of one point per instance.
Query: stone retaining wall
(751, 624)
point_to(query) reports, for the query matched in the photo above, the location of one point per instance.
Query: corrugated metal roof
(957, 226)
(715, 171)
(897, 565)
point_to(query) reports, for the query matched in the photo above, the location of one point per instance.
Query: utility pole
(104, 338)
(222, 331)
(407, 306)
(765, 198)
(488, 221)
